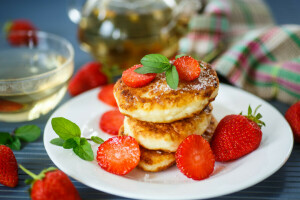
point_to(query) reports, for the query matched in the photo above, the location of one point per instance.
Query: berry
(194, 157)
(107, 96)
(8, 167)
(21, 32)
(51, 184)
(236, 136)
(133, 79)
(111, 121)
(88, 77)
(188, 68)
(9, 106)
(119, 155)
(292, 115)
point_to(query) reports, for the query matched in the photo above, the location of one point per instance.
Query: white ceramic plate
(274, 150)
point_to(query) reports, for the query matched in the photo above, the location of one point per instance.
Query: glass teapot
(118, 33)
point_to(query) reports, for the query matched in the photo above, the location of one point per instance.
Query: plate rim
(140, 196)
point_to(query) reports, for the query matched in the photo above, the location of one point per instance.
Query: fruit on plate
(187, 67)
(292, 115)
(89, 76)
(106, 95)
(111, 121)
(119, 154)
(20, 32)
(51, 184)
(135, 80)
(8, 167)
(237, 135)
(194, 157)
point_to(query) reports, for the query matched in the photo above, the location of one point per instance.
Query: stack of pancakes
(160, 118)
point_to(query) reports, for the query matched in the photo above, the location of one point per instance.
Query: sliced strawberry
(194, 157)
(111, 121)
(21, 32)
(292, 115)
(88, 77)
(119, 155)
(9, 106)
(187, 67)
(107, 96)
(133, 79)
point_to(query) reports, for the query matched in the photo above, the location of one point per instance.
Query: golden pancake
(209, 132)
(158, 103)
(166, 136)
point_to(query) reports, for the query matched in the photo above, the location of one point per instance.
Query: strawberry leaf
(14, 143)
(57, 142)
(156, 61)
(147, 70)
(64, 128)
(172, 77)
(28, 133)
(4, 138)
(70, 143)
(97, 140)
(84, 150)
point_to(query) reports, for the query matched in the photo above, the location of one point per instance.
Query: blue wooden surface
(51, 16)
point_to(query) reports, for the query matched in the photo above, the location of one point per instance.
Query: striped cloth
(241, 40)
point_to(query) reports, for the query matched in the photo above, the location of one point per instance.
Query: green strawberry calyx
(255, 117)
(35, 177)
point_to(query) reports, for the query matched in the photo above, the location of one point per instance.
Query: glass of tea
(33, 74)
(119, 33)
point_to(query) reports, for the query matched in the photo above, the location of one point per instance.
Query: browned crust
(163, 97)
(209, 132)
(152, 157)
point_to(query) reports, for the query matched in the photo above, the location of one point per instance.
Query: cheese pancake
(158, 103)
(166, 136)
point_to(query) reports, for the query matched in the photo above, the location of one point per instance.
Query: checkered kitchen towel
(244, 45)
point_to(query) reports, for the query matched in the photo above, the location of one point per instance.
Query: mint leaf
(64, 128)
(57, 142)
(178, 56)
(97, 140)
(71, 143)
(147, 70)
(172, 77)
(14, 143)
(156, 61)
(4, 137)
(28, 133)
(84, 150)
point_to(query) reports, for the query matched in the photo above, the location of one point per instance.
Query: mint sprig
(157, 63)
(70, 138)
(26, 133)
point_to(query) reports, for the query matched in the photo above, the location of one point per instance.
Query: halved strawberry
(20, 32)
(88, 77)
(187, 67)
(119, 154)
(111, 121)
(133, 79)
(9, 106)
(107, 96)
(194, 157)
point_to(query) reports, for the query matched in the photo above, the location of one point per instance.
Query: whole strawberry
(51, 184)
(89, 76)
(20, 32)
(8, 167)
(292, 115)
(237, 135)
